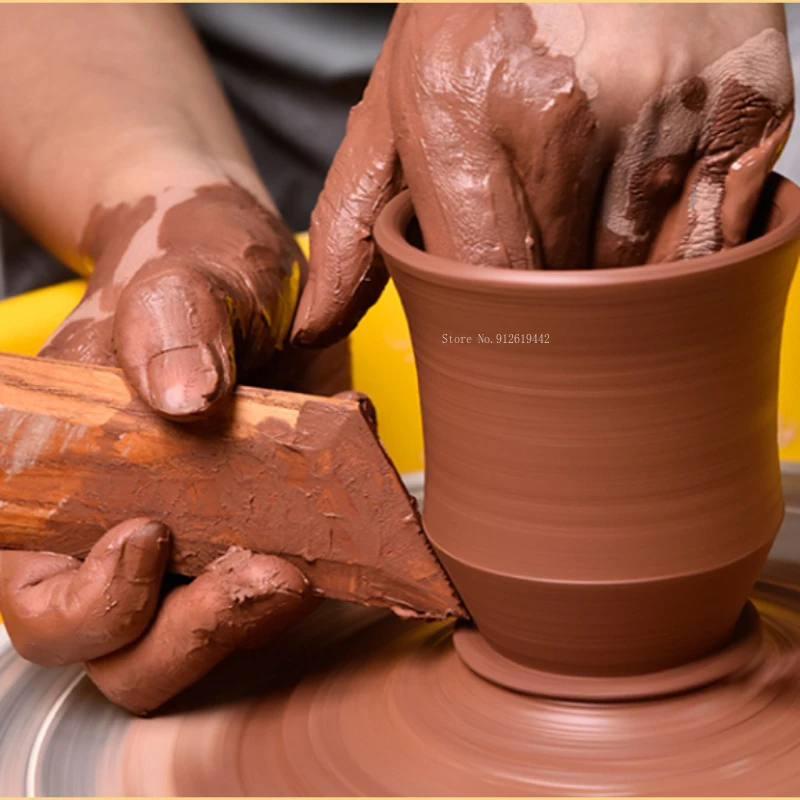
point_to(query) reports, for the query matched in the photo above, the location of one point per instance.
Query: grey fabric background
(292, 72)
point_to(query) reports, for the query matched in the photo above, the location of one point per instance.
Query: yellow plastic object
(383, 368)
(383, 364)
(789, 388)
(26, 321)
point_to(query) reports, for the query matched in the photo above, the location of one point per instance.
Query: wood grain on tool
(293, 475)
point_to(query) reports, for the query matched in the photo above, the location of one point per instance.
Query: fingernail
(184, 381)
(299, 332)
(144, 552)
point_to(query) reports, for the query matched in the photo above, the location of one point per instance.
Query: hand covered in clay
(186, 288)
(107, 611)
(553, 137)
(126, 161)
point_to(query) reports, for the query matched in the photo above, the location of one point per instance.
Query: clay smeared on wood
(285, 474)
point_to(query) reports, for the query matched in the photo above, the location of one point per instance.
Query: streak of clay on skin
(675, 126)
(108, 237)
(128, 253)
(128, 238)
(706, 201)
(562, 31)
(753, 73)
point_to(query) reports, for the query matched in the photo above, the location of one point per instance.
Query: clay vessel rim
(675, 576)
(392, 222)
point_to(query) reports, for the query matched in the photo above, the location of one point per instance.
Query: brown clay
(240, 600)
(604, 500)
(353, 702)
(301, 477)
(59, 610)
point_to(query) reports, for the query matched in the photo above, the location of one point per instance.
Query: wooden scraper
(301, 477)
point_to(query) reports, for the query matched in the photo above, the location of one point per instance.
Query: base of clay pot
(604, 629)
(739, 653)
(389, 708)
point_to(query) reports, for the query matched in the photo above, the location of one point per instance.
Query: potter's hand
(185, 287)
(106, 612)
(125, 156)
(554, 136)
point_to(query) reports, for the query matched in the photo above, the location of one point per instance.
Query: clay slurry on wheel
(382, 694)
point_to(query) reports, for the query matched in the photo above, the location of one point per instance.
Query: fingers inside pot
(469, 200)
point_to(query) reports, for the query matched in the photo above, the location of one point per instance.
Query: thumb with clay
(187, 287)
(107, 611)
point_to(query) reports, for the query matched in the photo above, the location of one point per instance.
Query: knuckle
(35, 646)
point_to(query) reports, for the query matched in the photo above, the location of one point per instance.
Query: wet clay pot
(602, 477)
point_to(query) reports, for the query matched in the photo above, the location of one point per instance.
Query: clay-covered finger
(468, 199)
(242, 599)
(713, 143)
(174, 339)
(718, 202)
(748, 123)
(346, 274)
(58, 610)
(643, 186)
(746, 179)
(541, 116)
